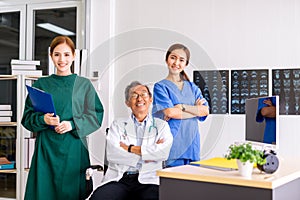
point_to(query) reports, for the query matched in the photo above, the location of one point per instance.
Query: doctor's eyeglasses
(136, 95)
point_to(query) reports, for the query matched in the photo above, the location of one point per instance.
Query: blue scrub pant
(128, 188)
(178, 162)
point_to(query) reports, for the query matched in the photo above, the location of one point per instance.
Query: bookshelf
(10, 99)
(25, 136)
(12, 135)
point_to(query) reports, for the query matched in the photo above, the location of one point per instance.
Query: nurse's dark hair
(132, 85)
(183, 75)
(61, 40)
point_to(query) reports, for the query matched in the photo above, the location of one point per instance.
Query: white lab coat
(152, 156)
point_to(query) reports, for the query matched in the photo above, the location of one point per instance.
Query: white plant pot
(245, 169)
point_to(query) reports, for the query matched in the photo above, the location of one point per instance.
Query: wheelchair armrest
(90, 169)
(97, 167)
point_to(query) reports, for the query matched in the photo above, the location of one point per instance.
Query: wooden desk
(193, 182)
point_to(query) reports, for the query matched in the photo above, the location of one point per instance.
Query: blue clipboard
(41, 100)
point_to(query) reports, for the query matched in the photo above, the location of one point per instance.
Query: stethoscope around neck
(152, 126)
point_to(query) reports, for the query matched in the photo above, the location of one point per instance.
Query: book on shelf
(51, 67)
(83, 62)
(5, 107)
(6, 164)
(27, 134)
(27, 72)
(5, 113)
(77, 62)
(23, 67)
(25, 62)
(5, 119)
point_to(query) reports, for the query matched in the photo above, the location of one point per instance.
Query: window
(9, 39)
(23, 34)
(48, 24)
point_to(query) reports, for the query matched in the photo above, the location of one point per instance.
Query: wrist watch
(129, 148)
(182, 107)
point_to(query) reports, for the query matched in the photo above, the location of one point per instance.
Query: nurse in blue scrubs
(180, 102)
(267, 111)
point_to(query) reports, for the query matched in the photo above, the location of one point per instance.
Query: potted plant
(246, 157)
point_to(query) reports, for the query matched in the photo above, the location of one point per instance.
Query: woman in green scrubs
(57, 170)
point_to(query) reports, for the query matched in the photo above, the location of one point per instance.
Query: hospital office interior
(127, 40)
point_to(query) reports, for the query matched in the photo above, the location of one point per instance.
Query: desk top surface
(287, 171)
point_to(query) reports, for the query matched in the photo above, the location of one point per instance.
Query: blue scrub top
(270, 128)
(186, 142)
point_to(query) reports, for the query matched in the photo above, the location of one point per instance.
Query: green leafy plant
(245, 152)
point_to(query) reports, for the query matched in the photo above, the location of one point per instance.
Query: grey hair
(132, 85)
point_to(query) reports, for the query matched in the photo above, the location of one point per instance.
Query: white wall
(130, 37)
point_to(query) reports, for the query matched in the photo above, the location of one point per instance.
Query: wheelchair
(90, 171)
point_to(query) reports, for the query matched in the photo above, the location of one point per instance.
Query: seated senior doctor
(136, 148)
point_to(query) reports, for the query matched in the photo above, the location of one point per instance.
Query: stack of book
(25, 67)
(5, 113)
